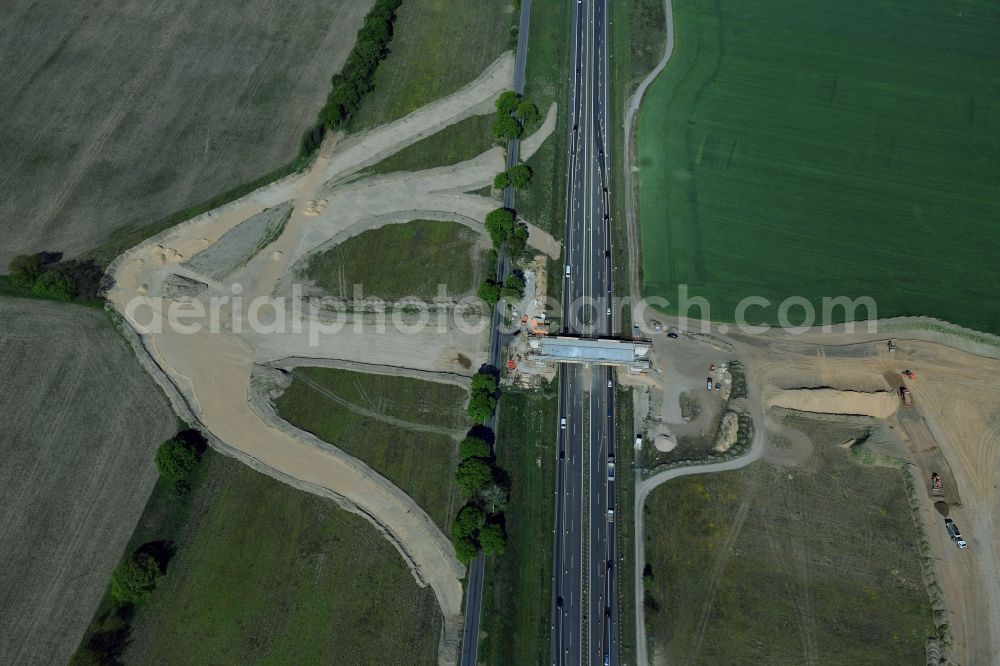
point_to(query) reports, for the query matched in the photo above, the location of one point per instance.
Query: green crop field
(423, 254)
(420, 463)
(771, 565)
(264, 573)
(803, 147)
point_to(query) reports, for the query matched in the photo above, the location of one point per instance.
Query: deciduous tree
(527, 112)
(474, 447)
(519, 175)
(506, 128)
(493, 539)
(473, 475)
(135, 578)
(507, 102)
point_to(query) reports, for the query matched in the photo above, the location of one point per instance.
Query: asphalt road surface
(585, 611)
(477, 568)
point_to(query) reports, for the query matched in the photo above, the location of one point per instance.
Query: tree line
(355, 79)
(47, 276)
(481, 523)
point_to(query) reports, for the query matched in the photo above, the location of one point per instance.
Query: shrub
(135, 578)
(25, 269)
(506, 128)
(55, 285)
(507, 103)
(501, 180)
(312, 139)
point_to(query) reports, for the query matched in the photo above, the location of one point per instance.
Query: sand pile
(878, 404)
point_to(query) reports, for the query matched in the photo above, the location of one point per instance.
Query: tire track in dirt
(718, 567)
(802, 603)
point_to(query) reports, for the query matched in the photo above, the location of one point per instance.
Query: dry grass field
(776, 565)
(117, 114)
(81, 420)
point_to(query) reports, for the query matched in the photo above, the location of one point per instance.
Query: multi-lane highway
(584, 605)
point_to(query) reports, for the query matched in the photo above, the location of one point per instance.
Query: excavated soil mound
(879, 404)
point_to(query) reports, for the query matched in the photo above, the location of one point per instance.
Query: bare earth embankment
(217, 376)
(81, 420)
(118, 114)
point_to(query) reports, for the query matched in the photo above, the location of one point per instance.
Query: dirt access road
(953, 429)
(217, 376)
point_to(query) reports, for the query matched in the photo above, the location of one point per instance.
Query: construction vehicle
(909, 374)
(937, 490)
(892, 345)
(953, 532)
(904, 395)
(710, 383)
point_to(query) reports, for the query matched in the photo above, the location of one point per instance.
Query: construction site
(923, 399)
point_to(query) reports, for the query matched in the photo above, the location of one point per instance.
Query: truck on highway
(611, 471)
(611, 518)
(953, 532)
